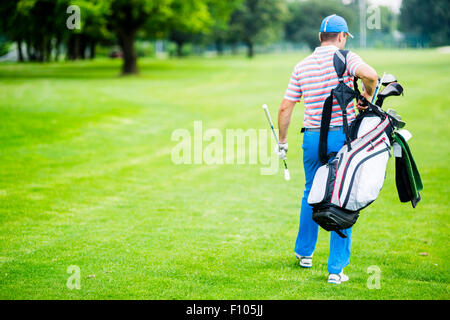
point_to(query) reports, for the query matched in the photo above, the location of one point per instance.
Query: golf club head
(388, 78)
(401, 124)
(396, 118)
(394, 114)
(392, 89)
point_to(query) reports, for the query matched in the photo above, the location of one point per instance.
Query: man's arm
(284, 118)
(369, 77)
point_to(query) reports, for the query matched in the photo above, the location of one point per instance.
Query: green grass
(86, 179)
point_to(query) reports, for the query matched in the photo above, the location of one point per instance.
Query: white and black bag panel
(366, 181)
(323, 183)
(365, 171)
(367, 124)
(362, 123)
(349, 159)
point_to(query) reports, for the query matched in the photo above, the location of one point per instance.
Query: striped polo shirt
(313, 78)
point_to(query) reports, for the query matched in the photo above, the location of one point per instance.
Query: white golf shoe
(336, 278)
(305, 261)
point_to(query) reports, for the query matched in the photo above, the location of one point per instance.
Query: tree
(428, 19)
(258, 21)
(304, 23)
(93, 29)
(191, 19)
(125, 18)
(215, 29)
(33, 22)
(388, 20)
(220, 13)
(11, 25)
(153, 18)
(40, 24)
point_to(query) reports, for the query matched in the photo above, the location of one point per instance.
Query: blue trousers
(308, 230)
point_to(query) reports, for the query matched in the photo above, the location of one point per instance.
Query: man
(313, 78)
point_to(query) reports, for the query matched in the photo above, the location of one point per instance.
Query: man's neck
(326, 44)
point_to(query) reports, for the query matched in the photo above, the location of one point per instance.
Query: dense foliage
(38, 27)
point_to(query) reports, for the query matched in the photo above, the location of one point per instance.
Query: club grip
(363, 100)
(287, 176)
(266, 110)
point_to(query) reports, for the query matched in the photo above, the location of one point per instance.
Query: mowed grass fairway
(86, 179)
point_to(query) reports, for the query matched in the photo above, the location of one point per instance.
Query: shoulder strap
(342, 94)
(324, 128)
(340, 62)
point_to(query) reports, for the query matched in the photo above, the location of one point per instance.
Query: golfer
(313, 78)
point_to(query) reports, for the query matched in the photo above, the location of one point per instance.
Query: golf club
(380, 81)
(287, 176)
(397, 118)
(392, 89)
(388, 78)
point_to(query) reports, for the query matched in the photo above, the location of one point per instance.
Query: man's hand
(369, 77)
(282, 150)
(360, 105)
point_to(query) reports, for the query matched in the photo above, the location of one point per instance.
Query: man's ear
(320, 39)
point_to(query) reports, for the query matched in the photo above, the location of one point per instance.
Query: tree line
(39, 26)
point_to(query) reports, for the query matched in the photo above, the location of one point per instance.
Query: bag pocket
(367, 180)
(323, 183)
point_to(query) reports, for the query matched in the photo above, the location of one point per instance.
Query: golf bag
(351, 179)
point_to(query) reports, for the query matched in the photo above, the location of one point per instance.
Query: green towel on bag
(407, 178)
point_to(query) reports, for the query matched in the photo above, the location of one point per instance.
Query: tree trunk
(73, 47)
(92, 50)
(31, 52)
(179, 48)
(219, 47)
(49, 50)
(19, 51)
(57, 48)
(126, 42)
(83, 46)
(41, 50)
(28, 43)
(250, 49)
(69, 49)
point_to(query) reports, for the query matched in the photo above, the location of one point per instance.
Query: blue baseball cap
(334, 23)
